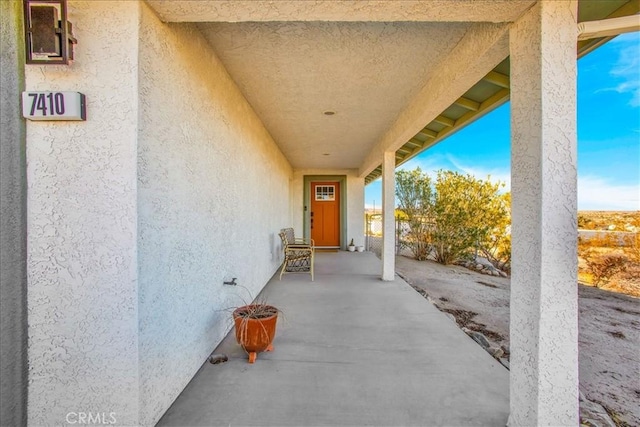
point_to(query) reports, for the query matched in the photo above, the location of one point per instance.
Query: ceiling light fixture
(329, 113)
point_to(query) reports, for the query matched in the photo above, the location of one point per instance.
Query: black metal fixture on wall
(48, 33)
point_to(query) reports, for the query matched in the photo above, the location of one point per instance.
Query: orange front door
(325, 213)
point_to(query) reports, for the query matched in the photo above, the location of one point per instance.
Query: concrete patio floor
(351, 350)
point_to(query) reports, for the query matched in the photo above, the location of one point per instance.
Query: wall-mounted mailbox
(48, 33)
(53, 106)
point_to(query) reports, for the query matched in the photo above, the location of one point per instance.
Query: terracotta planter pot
(255, 334)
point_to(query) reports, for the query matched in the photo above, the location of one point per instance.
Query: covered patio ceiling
(397, 76)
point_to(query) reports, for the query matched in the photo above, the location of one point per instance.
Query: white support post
(544, 299)
(388, 216)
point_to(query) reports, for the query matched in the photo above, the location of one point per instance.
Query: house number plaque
(53, 106)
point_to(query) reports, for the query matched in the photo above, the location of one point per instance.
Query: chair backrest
(283, 237)
(289, 236)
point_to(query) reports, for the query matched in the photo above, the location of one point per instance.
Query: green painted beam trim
(467, 103)
(488, 105)
(446, 121)
(428, 132)
(631, 7)
(587, 46)
(306, 219)
(498, 79)
(372, 176)
(413, 143)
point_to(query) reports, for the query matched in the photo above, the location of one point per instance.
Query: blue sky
(608, 134)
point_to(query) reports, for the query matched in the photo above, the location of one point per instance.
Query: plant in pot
(352, 246)
(255, 327)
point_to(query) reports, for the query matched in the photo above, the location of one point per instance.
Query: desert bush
(603, 266)
(602, 240)
(632, 248)
(603, 220)
(585, 223)
(414, 193)
(467, 210)
(452, 215)
(496, 246)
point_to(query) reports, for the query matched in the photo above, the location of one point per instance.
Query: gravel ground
(609, 328)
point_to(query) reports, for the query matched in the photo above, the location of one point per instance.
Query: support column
(544, 299)
(388, 215)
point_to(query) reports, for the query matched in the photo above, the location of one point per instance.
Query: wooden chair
(298, 253)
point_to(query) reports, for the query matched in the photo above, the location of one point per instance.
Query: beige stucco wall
(81, 221)
(355, 201)
(213, 192)
(137, 215)
(13, 247)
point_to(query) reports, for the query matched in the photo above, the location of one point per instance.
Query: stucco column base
(544, 304)
(388, 215)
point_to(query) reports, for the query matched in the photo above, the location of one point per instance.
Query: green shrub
(453, 215)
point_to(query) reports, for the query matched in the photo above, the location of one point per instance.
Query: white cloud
(495, 174)
(597, 193)
(432, 164)
(428, 164)
(625, 70)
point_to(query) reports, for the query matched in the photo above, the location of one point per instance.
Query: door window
(325, 193)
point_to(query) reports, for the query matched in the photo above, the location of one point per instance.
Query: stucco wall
(83, 349)
(213, 193)
(13, 279)
(355, 201)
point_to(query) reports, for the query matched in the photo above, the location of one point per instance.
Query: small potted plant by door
(255, 328)
(352, 246)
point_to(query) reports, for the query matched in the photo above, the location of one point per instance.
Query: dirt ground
(609, 328)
